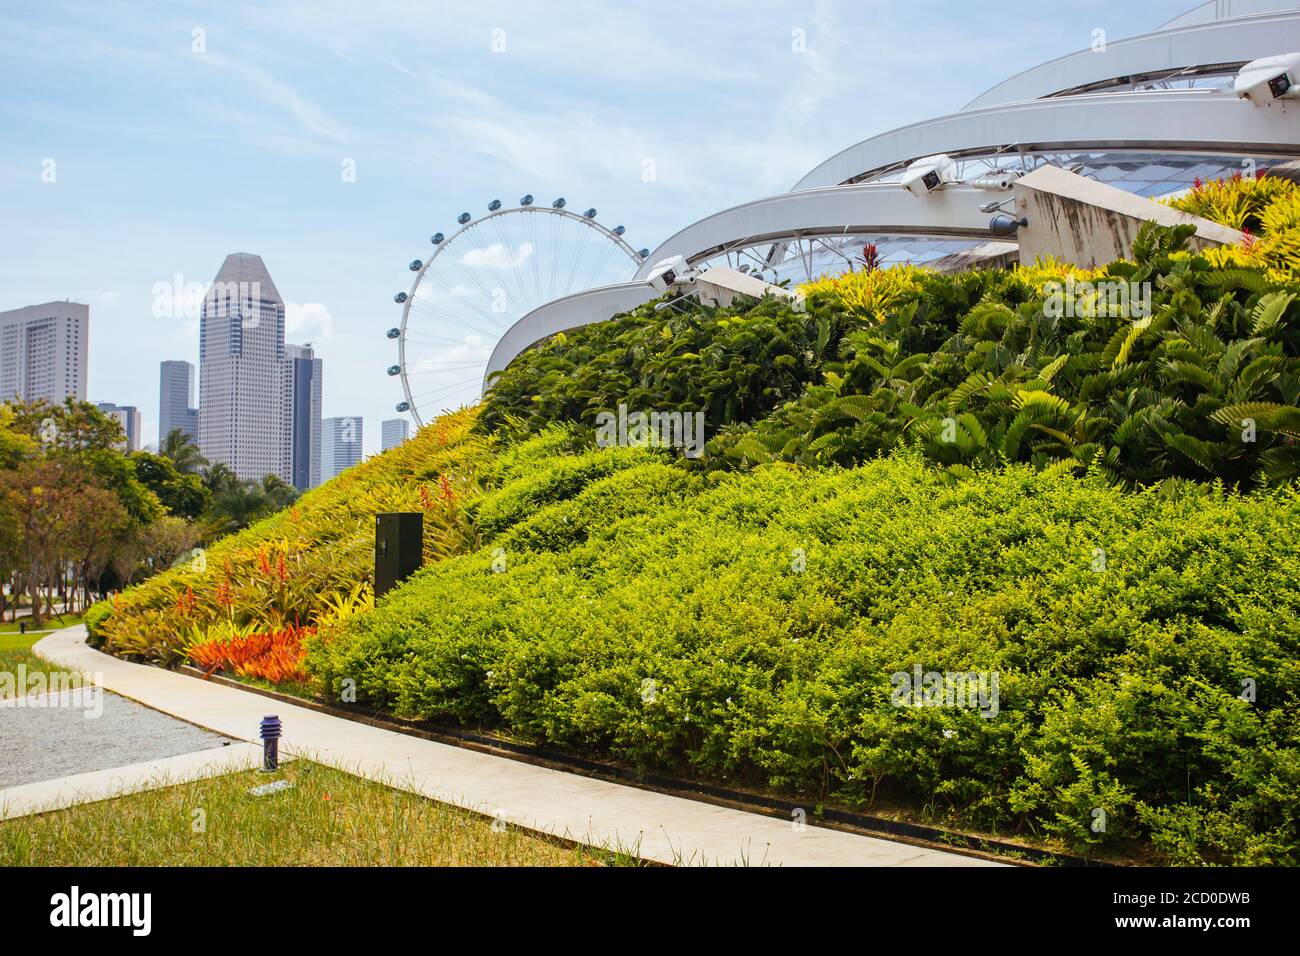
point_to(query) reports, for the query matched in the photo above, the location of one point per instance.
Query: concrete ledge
(32, 798)
(1090, 224)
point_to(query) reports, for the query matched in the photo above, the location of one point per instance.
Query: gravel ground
(44, 743)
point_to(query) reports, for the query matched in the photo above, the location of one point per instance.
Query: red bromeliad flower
(280, 571)
(263, 563)
(1248, 240)
(870, 257)
(446, 492)
(426, 499)
(275, 656)
(223, 594)
(185, 602)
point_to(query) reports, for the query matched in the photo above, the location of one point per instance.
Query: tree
(279, 493)
(154, 548)
(42, 495)
(183, 495)
(219, 477)
(182, 452)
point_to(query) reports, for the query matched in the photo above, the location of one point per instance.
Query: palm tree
(236, 506)
(182, 451)
(280, 493)
(219, 477)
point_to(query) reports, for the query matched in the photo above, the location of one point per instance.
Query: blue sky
(165, 158)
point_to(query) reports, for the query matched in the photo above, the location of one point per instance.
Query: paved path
(76, 731)
(96, 785)
(656, 826)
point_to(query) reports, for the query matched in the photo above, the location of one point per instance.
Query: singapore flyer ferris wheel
(480, 279)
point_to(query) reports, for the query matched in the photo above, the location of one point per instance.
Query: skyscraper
(43, 352)
(394, 432)
(128, 416)
(340, 445)
(241, 364)
(302, 406)
(176, 401)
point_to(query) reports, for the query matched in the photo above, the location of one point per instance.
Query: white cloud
(307, 322)
(497, 256)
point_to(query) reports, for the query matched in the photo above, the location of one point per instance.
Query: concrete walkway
(46, 795)
(655, 826)
(48, 736)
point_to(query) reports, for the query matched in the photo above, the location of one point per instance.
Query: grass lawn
(10, 659)
(326, 818)
(16, 649)
(10, 636)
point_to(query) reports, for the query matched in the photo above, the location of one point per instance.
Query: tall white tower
(43, 352)
(241, 364)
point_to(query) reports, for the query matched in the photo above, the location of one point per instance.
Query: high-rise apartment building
(394, 431)
(176, 407)
(43, 352)
(302, 378)
(241, 368)
(340, 445)
(128, 416)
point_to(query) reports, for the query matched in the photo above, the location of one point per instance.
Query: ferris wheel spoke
(486, 250)
(443, 316)
(522, 302)
(464, 297)
(451, 294)
(446, 389)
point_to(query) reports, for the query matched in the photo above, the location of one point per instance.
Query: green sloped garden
(965, 473)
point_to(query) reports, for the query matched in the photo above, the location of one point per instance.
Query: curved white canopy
(1197, 121)
(1225, 9)
(1011, 118)
(1199, 45)
(835, 210)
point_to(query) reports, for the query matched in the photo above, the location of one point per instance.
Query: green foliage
(183, 495)
(732, 364)
(979, 370)
(1120, 678)
(295, 567)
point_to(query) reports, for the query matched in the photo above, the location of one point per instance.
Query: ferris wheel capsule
(415, 265)
(399, 298)
(558, 204)
(527, 200)
(394, 370)
(403, 406)
(437, 238)
(619, 230)
(394, 333)
(643, 253)
(590, 213)
(463, 218)
(494, 205)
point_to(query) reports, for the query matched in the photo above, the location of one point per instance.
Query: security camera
(924, 176)
(1270, 78)
(1004, 225)
(667, 273)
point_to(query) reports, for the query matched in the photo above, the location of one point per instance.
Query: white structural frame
(438, 249)
(1219, 10)
(1033, 114)
(1214, 46)
(1205, 122)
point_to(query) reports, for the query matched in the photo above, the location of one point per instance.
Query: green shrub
(679, 634)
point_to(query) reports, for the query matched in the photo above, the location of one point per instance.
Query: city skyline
(351, 123)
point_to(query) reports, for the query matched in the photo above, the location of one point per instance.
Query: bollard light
(270, 743)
